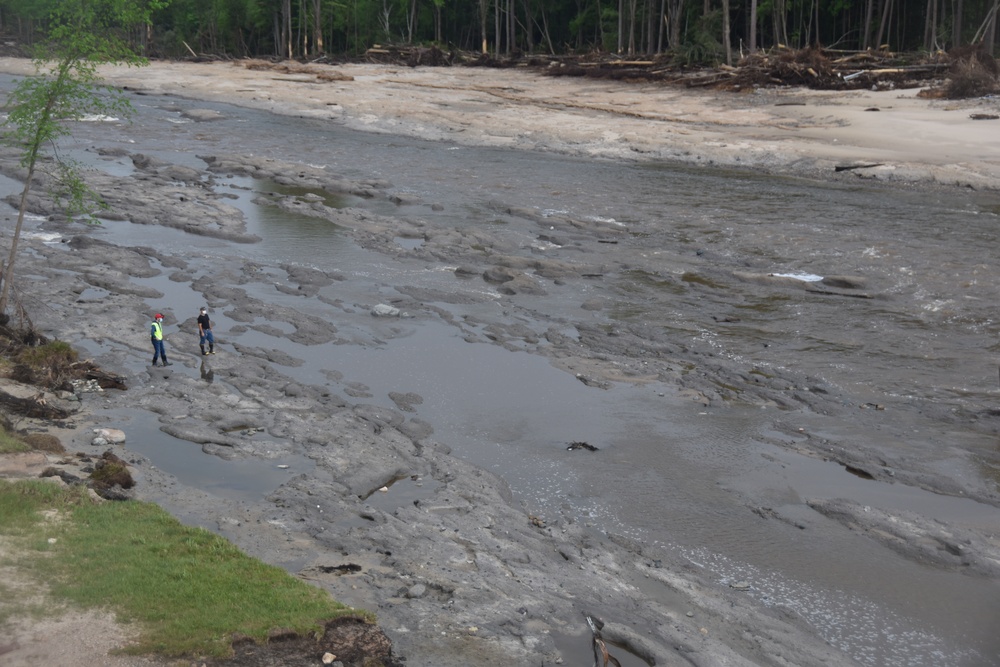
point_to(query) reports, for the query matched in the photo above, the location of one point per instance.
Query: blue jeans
(158, 350)
(206, 334)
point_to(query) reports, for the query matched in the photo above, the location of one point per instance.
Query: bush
(45, 442)
(56, 353)
(47, 365)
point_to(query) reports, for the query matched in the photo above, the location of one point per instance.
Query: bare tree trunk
(990, 38)
(648, 41)
(8, 271)
(808, 26)
(784, 22)
(928, 12)
(44, 115)
(483, 6)
(726, 42)
(753, 25)
(318, 27)
(883, 23)
(303, 36)
(286, 28)
(496, 28)
(529, 28)
(866, 40)
(631, 26)
(956, 31)
(548, 37)
(598, 26)
(661, 26)
(621, 25)
(674, 17)
(411, 20)
(986, 31)
(510, 27)
(780, 23)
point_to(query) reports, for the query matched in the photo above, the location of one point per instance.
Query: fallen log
(35, 407)
(848, 167)
(106, 380)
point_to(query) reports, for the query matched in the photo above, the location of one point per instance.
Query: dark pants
(158, 350)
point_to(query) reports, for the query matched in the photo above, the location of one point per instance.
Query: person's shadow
(207, 374)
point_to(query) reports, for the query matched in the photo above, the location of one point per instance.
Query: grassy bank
(10, 444)
(186, 590)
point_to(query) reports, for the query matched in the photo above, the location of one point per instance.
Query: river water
(673, 473)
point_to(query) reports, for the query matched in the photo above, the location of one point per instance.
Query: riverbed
(736, 349)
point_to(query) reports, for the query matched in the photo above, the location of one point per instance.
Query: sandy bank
(786, 131)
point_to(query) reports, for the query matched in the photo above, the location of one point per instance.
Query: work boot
(203, 352)
(211, 349)
(167, 363)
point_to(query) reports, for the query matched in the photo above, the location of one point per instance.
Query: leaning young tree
(80, 36)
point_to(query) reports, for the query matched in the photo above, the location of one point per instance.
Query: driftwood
(601, 656)
(410, 55)
(106, 380)
(35, 407)
(848, 167)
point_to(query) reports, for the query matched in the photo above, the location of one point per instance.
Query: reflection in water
(207, 374)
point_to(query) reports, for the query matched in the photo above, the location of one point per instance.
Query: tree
(80, 36)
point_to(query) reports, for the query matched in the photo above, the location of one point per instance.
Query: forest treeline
(688, 31)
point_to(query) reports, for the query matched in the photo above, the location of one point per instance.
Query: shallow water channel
(670, 472)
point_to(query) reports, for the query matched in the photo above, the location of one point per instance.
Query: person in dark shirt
(205, 332)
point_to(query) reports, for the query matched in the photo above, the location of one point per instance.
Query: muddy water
(670, 472)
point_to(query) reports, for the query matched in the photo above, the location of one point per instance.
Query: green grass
(188, 590)
(54, 352)
(9, 444)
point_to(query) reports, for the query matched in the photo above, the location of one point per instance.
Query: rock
(111, 477)
(383, 310)
(416, 591)
(202, 115)
(113, 436)
(498, 274)
(845, 282)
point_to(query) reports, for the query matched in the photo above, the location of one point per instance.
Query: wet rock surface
(461, 574)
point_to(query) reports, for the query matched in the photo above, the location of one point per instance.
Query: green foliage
(54, 353)
(255, 27)
(10, 444)
(702, 46)
(187, 589)
(80, 36)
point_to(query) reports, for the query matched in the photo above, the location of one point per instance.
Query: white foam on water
(97, 118)
(805, 277)
(44, 237)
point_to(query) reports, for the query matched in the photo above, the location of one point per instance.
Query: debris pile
(962, 72)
